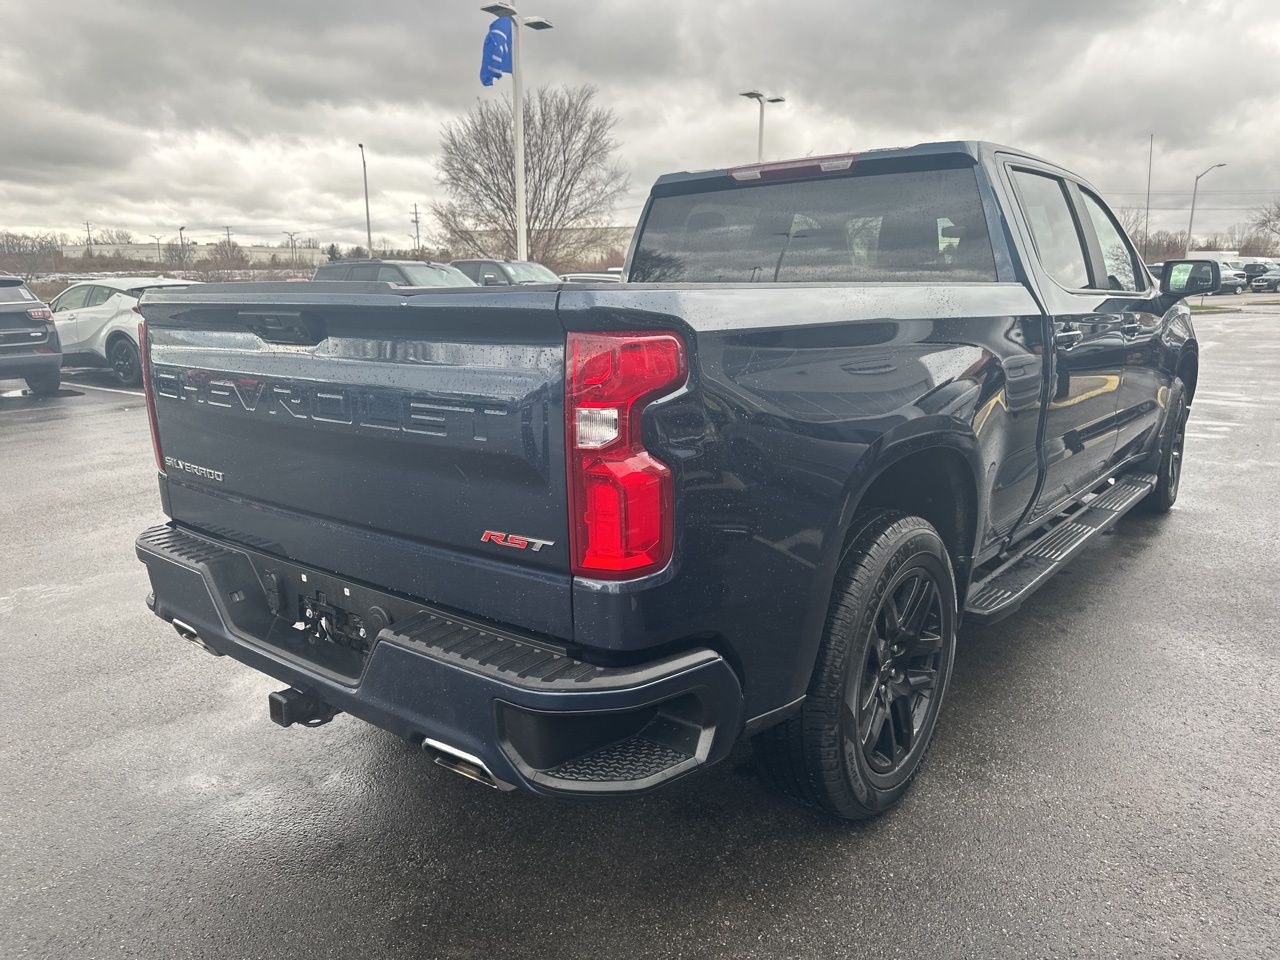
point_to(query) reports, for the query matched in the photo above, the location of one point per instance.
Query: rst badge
(515, 541)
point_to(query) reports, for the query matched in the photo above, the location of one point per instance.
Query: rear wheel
(881, 672)
(123, 356)
(1166, 461)
(45, 384)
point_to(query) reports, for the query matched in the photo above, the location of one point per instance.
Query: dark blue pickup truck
(584, 539)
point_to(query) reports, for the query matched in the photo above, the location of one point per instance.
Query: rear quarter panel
(798, 395)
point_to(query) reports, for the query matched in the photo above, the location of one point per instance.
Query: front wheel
(1166, 460)
(881, 673)
(125, 363)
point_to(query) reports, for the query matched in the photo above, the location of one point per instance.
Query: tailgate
(413, 442)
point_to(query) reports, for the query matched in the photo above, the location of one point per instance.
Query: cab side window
(391, 275)
(471, 269)
(363, 271)
(1117, 253)
(1053, 228)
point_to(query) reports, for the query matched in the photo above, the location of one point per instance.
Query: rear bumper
(526, 710)
(14, 365)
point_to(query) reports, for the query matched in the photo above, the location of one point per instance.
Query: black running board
(1003, 591)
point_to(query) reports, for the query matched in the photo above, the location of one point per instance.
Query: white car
(97, 324)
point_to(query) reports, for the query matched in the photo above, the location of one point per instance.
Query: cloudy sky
(152, 114)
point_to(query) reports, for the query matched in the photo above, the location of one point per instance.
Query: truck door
(1086, 345)
(1135, 304)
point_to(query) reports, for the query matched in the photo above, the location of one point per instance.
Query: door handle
(1066, 339)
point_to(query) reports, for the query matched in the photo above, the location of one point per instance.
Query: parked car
(501, 273)
(585, 540)
(29, 345)
(1257, 267)
(1232, 281)
(1266, 282)
(400, 273)
(97, 323)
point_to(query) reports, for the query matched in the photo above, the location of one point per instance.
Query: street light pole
(182, 247)
(368, 228)
(156, 238)
(1186, 250)
(517, 114)
(761, 99)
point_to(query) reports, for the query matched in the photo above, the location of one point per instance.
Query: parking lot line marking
(90, 386)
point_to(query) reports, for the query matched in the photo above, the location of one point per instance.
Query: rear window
(15, 293)
(910, 226)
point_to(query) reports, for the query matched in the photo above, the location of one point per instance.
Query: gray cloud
(149, 115)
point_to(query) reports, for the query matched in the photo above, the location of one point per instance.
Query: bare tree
(573, 177)
(1132, 219)
(1266, 220)
(113, 238)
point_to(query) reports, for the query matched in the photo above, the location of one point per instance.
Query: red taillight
(620, 496)
(40, 313)
(144, 352)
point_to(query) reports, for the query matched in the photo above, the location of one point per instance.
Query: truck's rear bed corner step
(1003, 591)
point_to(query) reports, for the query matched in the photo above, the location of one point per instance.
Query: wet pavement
(1104, 781)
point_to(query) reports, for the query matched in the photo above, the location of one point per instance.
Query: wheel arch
(1187, 367)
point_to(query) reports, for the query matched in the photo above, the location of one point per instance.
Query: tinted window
(490, 269)
(470, 268)
(16, 293)
(1117, 254)
(363, 271)
(1053, 228)
(390, 275)
(911, 226)
(431, 275)
(72, 299)
(332, 271)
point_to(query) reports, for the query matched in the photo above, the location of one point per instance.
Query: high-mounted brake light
(144, 352)
(620, 496)
(805, 166)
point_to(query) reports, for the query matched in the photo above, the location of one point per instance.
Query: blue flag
(496, 59)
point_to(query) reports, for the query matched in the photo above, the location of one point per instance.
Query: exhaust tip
(462, 763)
(189, 634)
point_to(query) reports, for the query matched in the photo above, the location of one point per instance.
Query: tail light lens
(144, 352)
(620, 496)
(40, 313)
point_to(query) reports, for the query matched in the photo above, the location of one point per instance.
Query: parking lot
(1104, 781)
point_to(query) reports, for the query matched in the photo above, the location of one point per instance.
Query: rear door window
(1053, 228)
(905, 226)
(1118, 258)
(363, 271)
(98, 296)
(337, 271)
(390, 275)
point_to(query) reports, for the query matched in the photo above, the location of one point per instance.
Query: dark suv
(401, 273)
(505, 273)
(29, 347)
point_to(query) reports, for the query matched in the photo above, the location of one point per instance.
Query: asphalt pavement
(1104, 782)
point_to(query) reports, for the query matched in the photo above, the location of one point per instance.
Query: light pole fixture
(507, 11)
(156, 238)
(182, 247)
(761, 99)
(1186, 250)
(368, 228)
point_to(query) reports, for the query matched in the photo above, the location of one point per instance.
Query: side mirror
(1185, 278)
(491, 280)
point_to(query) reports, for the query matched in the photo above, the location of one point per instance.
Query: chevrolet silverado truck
(584, 539)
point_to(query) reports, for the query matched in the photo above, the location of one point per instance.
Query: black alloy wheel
(894, 696)
(125, 362)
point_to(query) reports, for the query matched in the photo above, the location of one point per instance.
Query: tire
(872, 667)
(1238, 290)
(1166, 459)
(45, 384)
(125, 362)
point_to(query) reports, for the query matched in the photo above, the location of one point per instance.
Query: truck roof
(979, 150)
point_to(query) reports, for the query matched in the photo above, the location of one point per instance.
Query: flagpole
(517, 107)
